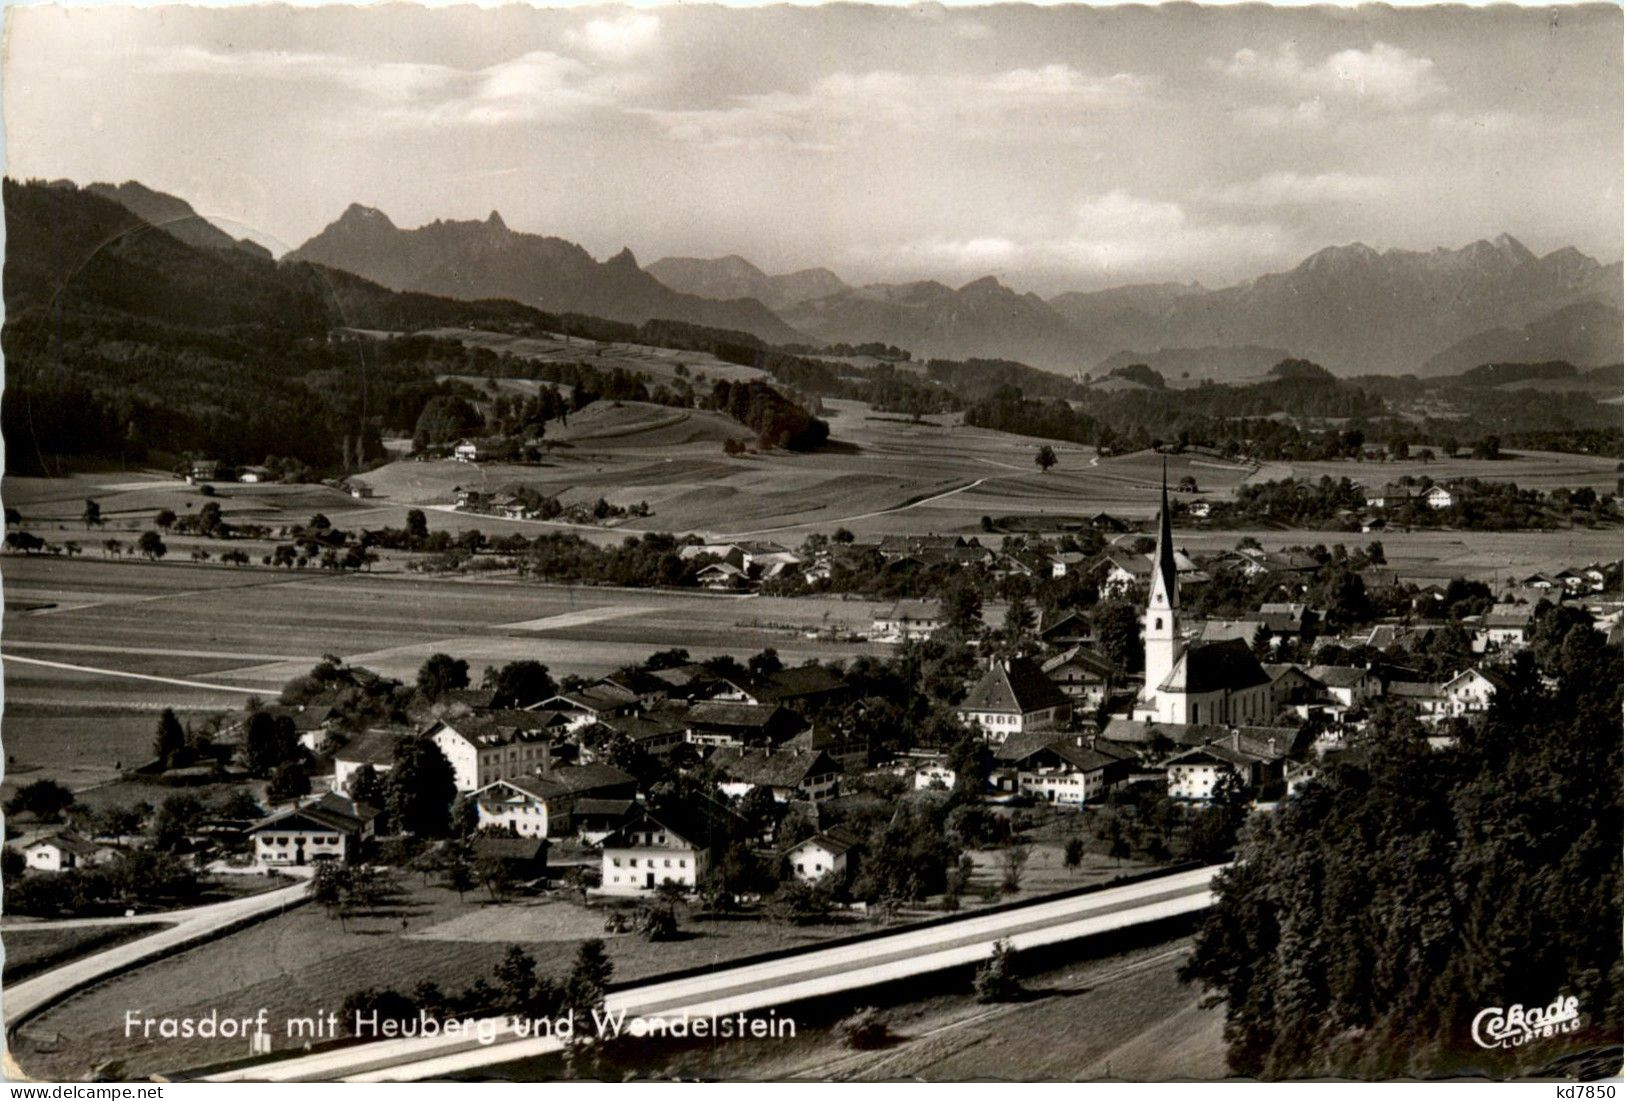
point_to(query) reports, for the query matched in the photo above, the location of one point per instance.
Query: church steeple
(1161, 627)
(1166, 571)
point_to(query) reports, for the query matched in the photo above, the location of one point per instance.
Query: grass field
(254, 629)
(305, 961)
(31, 950)
(660, 364)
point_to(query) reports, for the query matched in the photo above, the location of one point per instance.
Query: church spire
(1164, 568)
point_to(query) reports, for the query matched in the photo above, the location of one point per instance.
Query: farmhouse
(787, 773)
(1069, 770)
(371, 747)
(65, 850)
(1084, 676)
(831, 853)
(1471, 691)
(466, 451)
(1013, 696)
(330, 828)
(675, 844)
(741, 724)
(907, 619)
(1193, 774)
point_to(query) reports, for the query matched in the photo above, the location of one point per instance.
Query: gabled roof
(1017, 685)
(527, 849)
(1340, 676)
(701, 824)
(1166, 569)
(1216, 752)
(1212, 666)
(1084, 658)
(744, 716)
(498, 728)
(320, 817)
(372, 747)
(835, 840)
(69, 842)
(783, 768)
(1415, 690)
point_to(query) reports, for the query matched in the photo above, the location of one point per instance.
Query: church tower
(1161, 628)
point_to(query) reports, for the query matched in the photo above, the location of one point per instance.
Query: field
(660, 364)
(30, 950)
(86, 678)
(304, 961)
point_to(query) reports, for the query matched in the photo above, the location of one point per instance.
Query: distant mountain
(1219, 364)
(174, 216)
(476, 260)
(984, 319)
(735, 277)
(1352, 308)
(1586, 334)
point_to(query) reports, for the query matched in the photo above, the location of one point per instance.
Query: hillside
(1221, 364)
(735, 277)
(1586, 334)
(174, 216)
(474, 260)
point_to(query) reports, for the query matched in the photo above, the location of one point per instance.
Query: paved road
(775, 984)
(24, 999)
(20, 660)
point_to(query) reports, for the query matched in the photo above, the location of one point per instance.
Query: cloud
(850, 108)
(622, 38)
(1386, 75)
(1298, 189)
(1308, 114)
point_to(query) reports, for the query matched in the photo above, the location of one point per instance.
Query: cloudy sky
(1057, 147)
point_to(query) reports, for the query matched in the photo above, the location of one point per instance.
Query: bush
(996, 979)
(865, 1030)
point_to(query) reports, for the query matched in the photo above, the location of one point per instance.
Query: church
(1213, 683)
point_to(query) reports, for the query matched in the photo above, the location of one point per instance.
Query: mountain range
(1351, 308)
(486, 259)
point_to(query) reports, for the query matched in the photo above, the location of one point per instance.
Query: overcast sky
(1056, 147)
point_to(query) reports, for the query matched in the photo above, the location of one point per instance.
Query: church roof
(1215, 666)
(1165, 566)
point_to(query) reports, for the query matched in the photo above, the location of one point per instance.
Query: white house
(1014, 696)
(331, 828)
(1440, 497)
(674, 844)
(906, 619)
(512, 804)
(787, 773)
(466, 451)
(828, 854)
(59, 852)
(1470, 692)
(1193, 774)
(371, 747)
(1067, 770)
(485, 748)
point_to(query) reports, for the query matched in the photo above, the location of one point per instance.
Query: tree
(1045, 458)
(165, 518)
(516, 979)
(522, 683)
(420, 788)
(151, 545)
(92, 515)
(588, 982)
(1013, 859)
(1116, 626)
(269, 741)
(288, 781)
(45, 799)
(996, 979)
(175, 820)
(169, 742)
(417, 526)
(1019, 618)
(459, 868)
(963, 606)
(866, 1030)
(441, 673)
(1072, 857)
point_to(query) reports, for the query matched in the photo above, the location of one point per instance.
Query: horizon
(1055, 149)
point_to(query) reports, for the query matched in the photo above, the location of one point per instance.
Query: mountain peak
(495, 221)
(623, 259)
(356, 214)
(986, 284)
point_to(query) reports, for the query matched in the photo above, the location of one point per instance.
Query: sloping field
(130, 500)
(1543, 470)
(658, 363)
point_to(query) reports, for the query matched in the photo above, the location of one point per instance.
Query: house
(1392, 495)
(1505, 625)
(311, 724)
(594, 819)
(1070, 770)
(800, 688)
(330, 828)
(596, 703)
(1249, 631)
(495, 746)
(635, 684)
(1440, 497)
(1193, 774)
(787, 773)
(360, 490)
(253, 475)
(204, 470)
(654, 732)
(1071, 629)
(1293, 688)
(722, 575)
(675, 844)
(905, 620)
(1014, 696)
(934, 775)
(832, 853)
(1349, 685)
(1083, 676)
(1119, 570)
(1299, 774)
(741, 724)
(1426, 697)
(374, 748)
(1063, 563)
(66, 850)
(523, 857)
(542, 806)
(1471, 692)
(1286, 620)
(466, 451)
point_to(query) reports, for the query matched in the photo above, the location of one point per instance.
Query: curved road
(22, 1000)
(774, 984)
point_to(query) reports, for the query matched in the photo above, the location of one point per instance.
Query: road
(24, 999)
(771, 985)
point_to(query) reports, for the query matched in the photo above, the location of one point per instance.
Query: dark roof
(703, 824)
(1018, 684)
(574, 780)
(497, 728)
(1212, 666)
(745, 716)
(372, 747)
(69, 842)
(1085, 757)
(803, 680)
(529, 849)
(1339, 676)
(1088, 659)
(1165, 567)
(773, 768)
(475, 699)
(1071, 625)
(590, 807)
(837, 839)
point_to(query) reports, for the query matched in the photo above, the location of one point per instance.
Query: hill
(1221, 364)
(735, 277)
(475, 260)
(174, 216)
(1586, 334)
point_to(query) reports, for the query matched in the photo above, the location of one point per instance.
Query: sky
(1058, 148)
